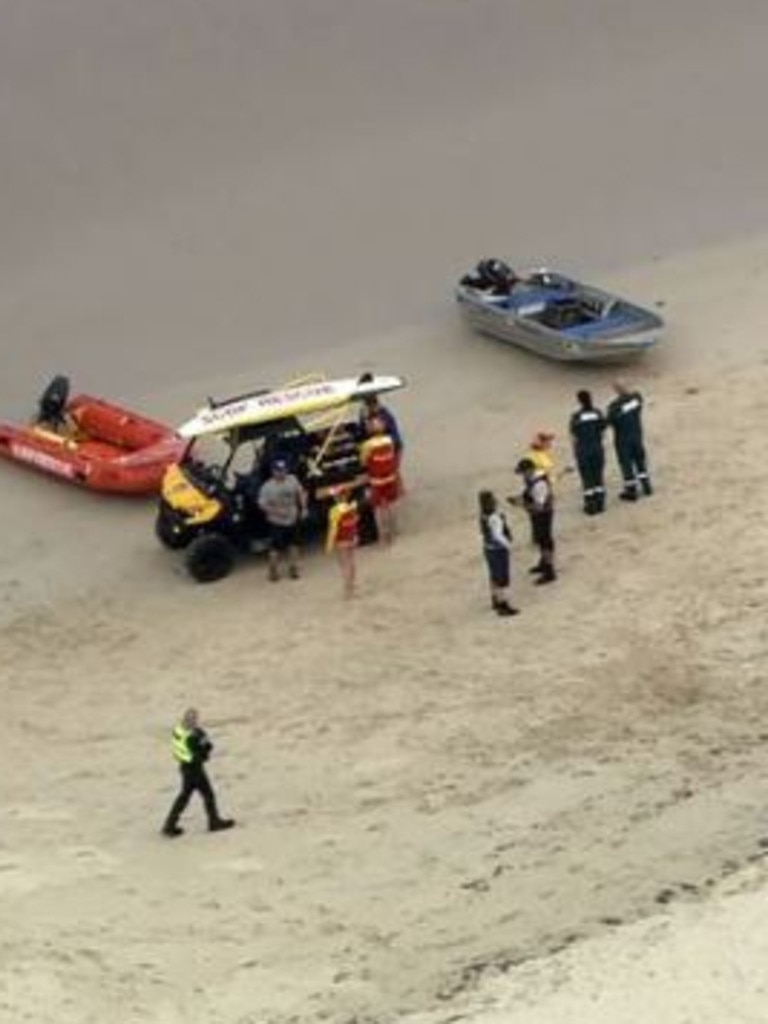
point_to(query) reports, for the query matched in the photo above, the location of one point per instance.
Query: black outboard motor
(53, 402)
(491, 275)
(501, 276)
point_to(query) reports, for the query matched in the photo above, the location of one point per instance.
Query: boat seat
(65, 440)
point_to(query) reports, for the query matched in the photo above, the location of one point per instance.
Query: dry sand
(442, 814)
(428, 795)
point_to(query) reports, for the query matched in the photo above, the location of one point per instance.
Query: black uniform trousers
(541, 529)
(630, 452)
(590, 460)
(541, 524)
(194, 778)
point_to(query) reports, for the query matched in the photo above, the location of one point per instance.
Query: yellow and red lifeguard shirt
(379, 456)
(343, 525)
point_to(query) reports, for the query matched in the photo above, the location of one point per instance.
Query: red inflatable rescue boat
(93, 443)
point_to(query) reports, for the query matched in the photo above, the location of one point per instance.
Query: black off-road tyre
(210, 558)
(168, 537)
(368, 531)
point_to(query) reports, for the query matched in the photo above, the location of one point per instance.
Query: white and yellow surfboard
(295, 400)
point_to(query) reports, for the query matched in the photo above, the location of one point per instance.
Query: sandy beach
(442, 815)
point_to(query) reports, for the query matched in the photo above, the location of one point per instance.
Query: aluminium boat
(555, 316)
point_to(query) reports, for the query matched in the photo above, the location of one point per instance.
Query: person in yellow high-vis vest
(191, 748)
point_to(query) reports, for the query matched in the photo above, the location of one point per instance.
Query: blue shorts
(283, 537)
(498, 566)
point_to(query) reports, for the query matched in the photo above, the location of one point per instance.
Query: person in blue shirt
(371, 410)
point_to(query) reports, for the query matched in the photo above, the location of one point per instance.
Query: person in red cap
(538, 501)
(540, 452)
(343, 537)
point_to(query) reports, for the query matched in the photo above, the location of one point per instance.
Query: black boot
(539, 567)
(221, 825)
(628, 494)
(645, 483)
(504, 608)
(172, 831)
(599, 502)
(548, 575)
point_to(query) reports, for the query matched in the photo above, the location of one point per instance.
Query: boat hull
(604, 328)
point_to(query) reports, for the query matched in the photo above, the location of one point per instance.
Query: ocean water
(189, 187)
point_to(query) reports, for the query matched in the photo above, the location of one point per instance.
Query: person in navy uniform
(191, 748)
(625, 415)
(587, 427)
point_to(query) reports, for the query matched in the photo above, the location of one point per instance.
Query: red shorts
(346, 544)
(385, 494)
(346, 538)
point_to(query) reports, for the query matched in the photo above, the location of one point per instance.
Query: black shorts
(541, 524)
(498, 566)
(283, 537)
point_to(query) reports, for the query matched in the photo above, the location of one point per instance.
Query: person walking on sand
(497, 545)
(587, 427)
(343, 537)
(379, 458)
(283, 501)
(625, 415)
(191, 748)
(538, 501)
